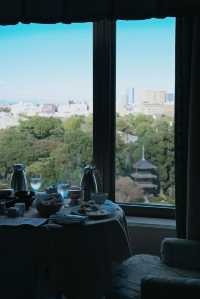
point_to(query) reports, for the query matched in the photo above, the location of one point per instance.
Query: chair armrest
(165, 288)
(181, 253)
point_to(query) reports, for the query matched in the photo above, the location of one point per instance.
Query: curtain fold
(193, 178)
(187, 123)
(54, 11)
(66, 11)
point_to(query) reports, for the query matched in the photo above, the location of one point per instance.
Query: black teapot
(19, 185)
(18, 179)
(90, 182)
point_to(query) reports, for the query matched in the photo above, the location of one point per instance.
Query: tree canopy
(58, 150)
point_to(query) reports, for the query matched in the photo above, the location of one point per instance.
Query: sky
(53, 63)
(146, 55)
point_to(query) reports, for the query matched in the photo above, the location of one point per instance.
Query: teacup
(75, 193)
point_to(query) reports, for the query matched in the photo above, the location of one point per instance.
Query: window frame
(104, 118)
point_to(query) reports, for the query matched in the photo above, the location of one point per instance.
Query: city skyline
(155, 103)
(126, 98)
(53, 63)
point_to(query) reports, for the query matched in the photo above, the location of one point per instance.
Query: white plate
(98, 214)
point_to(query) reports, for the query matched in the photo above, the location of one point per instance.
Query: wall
(146, 234)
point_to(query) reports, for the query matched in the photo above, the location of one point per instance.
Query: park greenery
(59, 149)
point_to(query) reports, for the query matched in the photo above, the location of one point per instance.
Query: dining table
(41, 258)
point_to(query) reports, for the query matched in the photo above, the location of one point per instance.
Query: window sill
(151, 222)
(149, 211)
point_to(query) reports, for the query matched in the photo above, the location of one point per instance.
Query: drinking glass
(62, 189)
(36, 182)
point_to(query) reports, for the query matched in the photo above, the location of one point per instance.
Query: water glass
(62, 189)
(36, 182)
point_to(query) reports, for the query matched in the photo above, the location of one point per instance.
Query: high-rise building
(154, 96)
(152, 102)
(149, 102)
(169, 98)
(130, 97)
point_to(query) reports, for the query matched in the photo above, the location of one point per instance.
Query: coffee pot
(18, 179)
(90, 182)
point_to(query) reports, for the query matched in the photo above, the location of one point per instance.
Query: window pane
(46, 101)
(145, 111)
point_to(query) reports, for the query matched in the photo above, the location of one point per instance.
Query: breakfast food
(86, 207)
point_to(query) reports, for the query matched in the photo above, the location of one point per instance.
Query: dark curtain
(187, 120)
(66, 11)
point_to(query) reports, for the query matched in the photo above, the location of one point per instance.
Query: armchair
(165, 288)
(175, 274)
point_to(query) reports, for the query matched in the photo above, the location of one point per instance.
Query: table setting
(69, 245)
(48, 206)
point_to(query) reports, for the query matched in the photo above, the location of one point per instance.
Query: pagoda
(146, 177)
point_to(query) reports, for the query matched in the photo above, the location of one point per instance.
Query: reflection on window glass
(145, 112)
(46, 101)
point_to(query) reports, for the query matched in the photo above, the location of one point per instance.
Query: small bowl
(48, 207)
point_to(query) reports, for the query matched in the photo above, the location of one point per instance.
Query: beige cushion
(181, 253)
(127, 276)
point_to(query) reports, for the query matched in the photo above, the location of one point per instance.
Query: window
(46, 111)
(145, 71)
(47, 71)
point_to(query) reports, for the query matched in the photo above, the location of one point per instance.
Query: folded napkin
(7, 221)
(61, 218)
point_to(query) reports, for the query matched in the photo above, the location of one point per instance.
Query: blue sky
(54, 62)
(146, 55)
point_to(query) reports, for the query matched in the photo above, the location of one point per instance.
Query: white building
(27, 108)
(151, 102)
(8, 120)
(73, 108)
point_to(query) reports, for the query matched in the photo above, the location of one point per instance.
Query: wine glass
(62, 189)
(36, 182)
